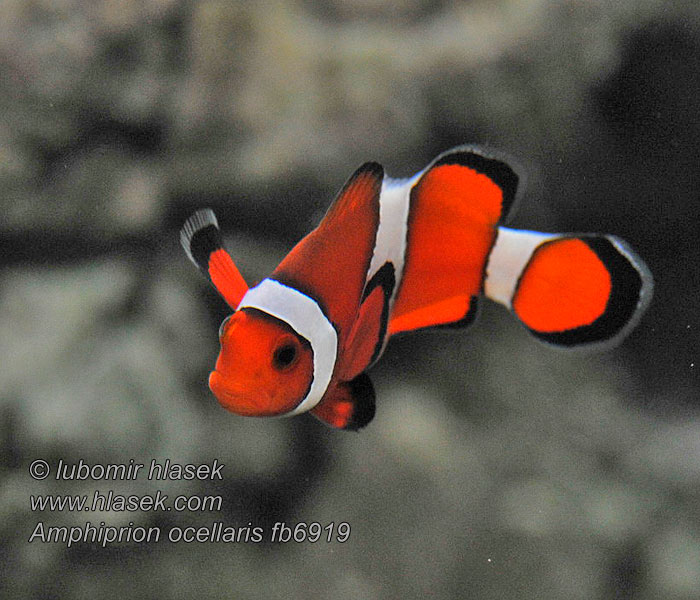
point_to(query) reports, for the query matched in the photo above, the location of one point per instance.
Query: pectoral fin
(349, 406)
(201, 239)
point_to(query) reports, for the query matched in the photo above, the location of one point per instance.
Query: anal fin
(350, 405)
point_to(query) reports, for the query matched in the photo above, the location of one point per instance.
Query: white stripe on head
(509, 256)
(303, 315)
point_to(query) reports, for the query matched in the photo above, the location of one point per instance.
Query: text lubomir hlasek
(158, 471)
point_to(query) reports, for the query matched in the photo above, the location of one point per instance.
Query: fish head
(264, 367)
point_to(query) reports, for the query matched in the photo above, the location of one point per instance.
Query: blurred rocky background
(496, 467)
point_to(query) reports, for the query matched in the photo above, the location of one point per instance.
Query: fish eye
(223, 326)
(284, 356)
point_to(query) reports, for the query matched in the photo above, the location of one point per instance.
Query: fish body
(394, 256)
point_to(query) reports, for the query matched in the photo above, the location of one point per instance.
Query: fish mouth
(229, 398)
(237, 401)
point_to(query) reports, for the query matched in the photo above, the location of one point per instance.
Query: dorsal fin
(330, 264)
(503, 170)
(455, 207)
(201, 239)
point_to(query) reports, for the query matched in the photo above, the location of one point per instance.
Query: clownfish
(398, 255)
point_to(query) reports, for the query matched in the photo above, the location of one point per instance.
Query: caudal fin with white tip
(569, 290)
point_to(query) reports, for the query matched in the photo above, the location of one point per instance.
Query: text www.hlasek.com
(109, 501)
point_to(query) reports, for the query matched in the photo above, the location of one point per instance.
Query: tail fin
(569, 290)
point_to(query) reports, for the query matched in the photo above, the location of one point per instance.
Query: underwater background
(496, 467)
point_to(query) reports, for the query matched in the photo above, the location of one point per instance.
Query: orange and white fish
(399, 255)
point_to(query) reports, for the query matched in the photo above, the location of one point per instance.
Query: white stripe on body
(303, 315)
(392, 232)
(508, 258)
